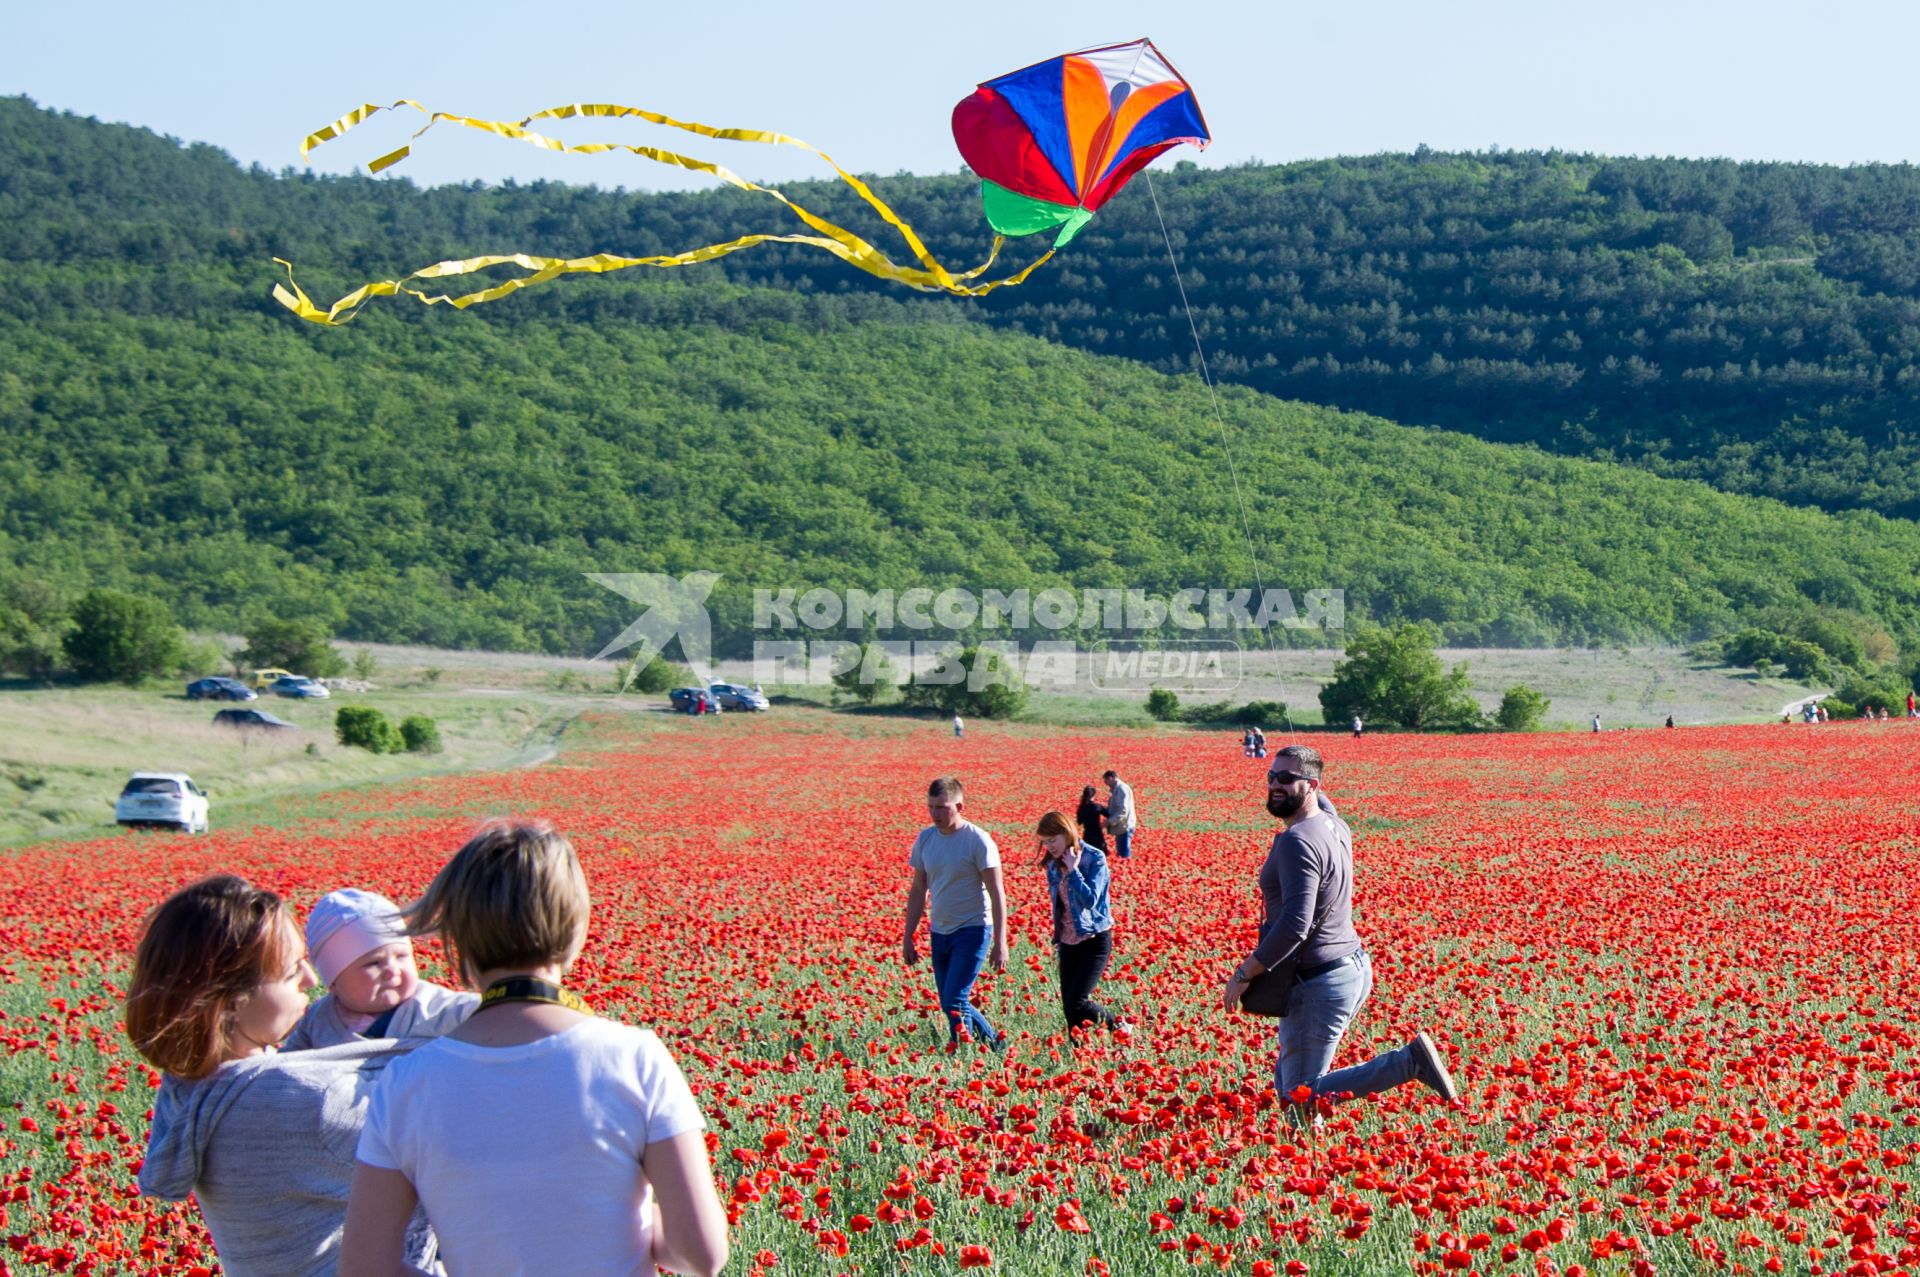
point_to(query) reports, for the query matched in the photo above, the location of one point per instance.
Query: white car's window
(151, 785)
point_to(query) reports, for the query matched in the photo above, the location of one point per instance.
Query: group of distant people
(396, 1126)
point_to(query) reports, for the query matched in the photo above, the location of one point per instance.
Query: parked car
(734, 696)
(220, 688)
(301, 688)
(694, 700)
(252, 718)
(162, 798)
(263, 679)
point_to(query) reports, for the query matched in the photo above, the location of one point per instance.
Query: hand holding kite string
(1054, 141)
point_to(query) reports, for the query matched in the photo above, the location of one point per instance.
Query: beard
(1286, 805)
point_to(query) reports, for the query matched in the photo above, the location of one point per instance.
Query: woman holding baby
(338, 1156)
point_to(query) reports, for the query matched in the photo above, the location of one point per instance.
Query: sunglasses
(1285, 778)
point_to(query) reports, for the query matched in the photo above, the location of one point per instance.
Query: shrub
(1163, 705)
(1522, 709)
(302, 646)
(1260, 713)
(364, 727)
(421, 734)
(122, 636)
(1882, 689)
(364, 664)
(657, 675)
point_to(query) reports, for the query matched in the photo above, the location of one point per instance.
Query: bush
(364, 664)
(1395, 676)
(122, 636)
(988, 686)
(302, 646)
(1163, 705)
(1882, 689)
(1522, 709)
(1259, 713)
(421, 734)
(364, 727)
(657, 675)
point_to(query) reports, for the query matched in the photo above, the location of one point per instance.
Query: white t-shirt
(953, 864)
(527, 1158)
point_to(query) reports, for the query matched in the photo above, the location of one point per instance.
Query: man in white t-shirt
(956, 884)
(1122, 819)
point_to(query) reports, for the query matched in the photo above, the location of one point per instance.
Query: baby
(359, 947)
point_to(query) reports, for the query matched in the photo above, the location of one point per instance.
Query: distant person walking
(1669, 720)
(959, 727)
(1913, 706)
(1077, 884)
(1596, 722)
(1306, 890)
(1122, 819)
(1092, 819)
(956, 886)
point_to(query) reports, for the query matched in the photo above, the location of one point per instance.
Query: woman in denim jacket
(1077, 880)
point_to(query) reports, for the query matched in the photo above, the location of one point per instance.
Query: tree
(1522, 709)
(867, 676)
(300, 645)
(1164, 705)
(119, 636)
(33, 620)
(1395, 676)
(977, 682)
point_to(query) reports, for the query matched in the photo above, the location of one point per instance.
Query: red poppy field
(1675, 971)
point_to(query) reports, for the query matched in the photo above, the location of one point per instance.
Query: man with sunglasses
(1306, 887)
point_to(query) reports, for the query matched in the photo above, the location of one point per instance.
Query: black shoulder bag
(1268, 994)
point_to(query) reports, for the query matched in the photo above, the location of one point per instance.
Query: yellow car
(263, 679)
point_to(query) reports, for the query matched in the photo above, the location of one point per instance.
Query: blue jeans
(1322, 1010)
(1122, 842)
(957, 958)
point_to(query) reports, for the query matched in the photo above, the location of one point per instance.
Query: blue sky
(873, 84)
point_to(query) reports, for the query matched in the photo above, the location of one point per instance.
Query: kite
(1052, 150)
(1055, 141)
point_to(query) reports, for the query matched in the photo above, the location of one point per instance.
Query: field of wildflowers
(1678, 974)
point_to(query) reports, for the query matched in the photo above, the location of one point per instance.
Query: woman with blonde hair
(538, 1138)
(1077, 883)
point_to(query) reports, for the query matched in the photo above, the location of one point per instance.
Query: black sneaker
(1430, 1067)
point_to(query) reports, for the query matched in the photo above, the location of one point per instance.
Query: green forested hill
(1756, 325)
(447, 478)
(449, 483)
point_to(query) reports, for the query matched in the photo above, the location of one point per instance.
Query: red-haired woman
(264, 1140)
(1078, 882)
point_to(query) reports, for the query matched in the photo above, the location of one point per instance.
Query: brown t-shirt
(1308, 871)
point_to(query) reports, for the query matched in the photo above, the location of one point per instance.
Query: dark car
(252, 718)
(694, 700)
(218, 688)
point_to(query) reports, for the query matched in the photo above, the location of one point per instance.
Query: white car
(162, 798)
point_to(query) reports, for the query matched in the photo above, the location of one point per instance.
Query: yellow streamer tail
(929, 275)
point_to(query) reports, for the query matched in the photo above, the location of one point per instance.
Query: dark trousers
(1081, 966)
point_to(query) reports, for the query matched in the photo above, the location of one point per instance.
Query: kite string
(1219, 418)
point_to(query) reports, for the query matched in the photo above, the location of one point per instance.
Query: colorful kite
(1055, 141)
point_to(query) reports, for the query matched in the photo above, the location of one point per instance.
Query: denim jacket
(1085, 892)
